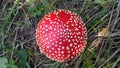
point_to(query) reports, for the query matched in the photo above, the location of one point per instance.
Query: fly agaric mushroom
(61, 35)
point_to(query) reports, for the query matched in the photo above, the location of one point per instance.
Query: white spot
(54, 22)
(50, 27)
(49, 34)
(52, 48)
(61, 30)
(72, 24)
(71, 45)
(57, 37)
(50, 40)
(71, 57)
(81, 37)
(62, 52)
(40, 27)
(68, 55)
(78, 46)
(75, 43)
(64, 30)
(43, 32)
(63, 40)
(47, 46)
(56, 45)
(79, 33)
(68, 51)
(79, 26)
(75, 36)
(59, 54)
(58, 31)
(53, 54)
(50, 51)
(55, 51)
(71, 36)
(72, 49)
(66, 39)
(63, 47)
(65, 33)
(67, 26)
(57, 23)
(45, 35)
(50, 22)
(68, 36)
(46, 25)
(67, 22)
(55, 18)
(69, 40)
(58, 58)
(75, 47)
(56, 41)
(58, 34)
(73, 40)
(79, 49)
(68, 48)
(54, 28)
(58, 48)
(73, 53)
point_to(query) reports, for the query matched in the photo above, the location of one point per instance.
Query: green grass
(18, 21)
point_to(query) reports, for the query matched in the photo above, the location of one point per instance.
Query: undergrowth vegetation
(19, 19)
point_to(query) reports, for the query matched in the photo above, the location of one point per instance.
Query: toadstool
(61, 35)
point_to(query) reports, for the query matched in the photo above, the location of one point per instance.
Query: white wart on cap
(61, 35)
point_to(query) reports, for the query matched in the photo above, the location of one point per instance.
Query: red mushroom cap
(61, 35)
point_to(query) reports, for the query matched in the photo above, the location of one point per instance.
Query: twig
(117, 16)
(14, 42)
(109, 58)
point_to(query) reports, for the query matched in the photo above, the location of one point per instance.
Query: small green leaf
(87, 16)
(30, 52)
(88, 0)
(23, 55)
(32, 1)
(105, 2)
(22, 58)
(100, 2)
(11, 61)
(35, 10)
(39, 12)
(22, 64)
(11, 66)
(3, 62)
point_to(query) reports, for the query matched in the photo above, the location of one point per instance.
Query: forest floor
(19, 19)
